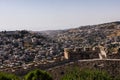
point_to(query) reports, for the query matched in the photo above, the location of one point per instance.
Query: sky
(38, 15)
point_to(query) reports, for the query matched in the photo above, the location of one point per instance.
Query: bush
(6, 76)
(85, 74)
(38, 75)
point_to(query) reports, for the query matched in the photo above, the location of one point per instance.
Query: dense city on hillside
(18, 48)
(107, 34)
(21, 47)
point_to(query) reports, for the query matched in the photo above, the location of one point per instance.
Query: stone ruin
(102, 53)
(85, 53)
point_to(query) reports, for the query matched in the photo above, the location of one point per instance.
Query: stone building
(81, 53)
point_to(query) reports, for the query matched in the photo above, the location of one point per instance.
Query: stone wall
(57, 70)
(89, 53)
(112, 66)
(114, 56)
(81, 53)
(83, 58)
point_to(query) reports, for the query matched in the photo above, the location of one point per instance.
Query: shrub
(6, 76)
(38, 75)
(85, 74)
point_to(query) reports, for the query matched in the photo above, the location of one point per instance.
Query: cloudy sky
(40, 15)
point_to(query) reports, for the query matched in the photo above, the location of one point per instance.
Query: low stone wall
(57, 70)
(112, 66)
(114, 56)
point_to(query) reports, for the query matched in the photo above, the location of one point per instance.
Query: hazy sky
(40, 15)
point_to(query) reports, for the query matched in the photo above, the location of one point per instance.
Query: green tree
(6, 76)
(38, 75)
(85, 74)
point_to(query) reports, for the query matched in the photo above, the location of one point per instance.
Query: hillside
(22, 47)
(107, 34)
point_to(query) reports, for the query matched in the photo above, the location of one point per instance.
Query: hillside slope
(93, 35)
(22, 47)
